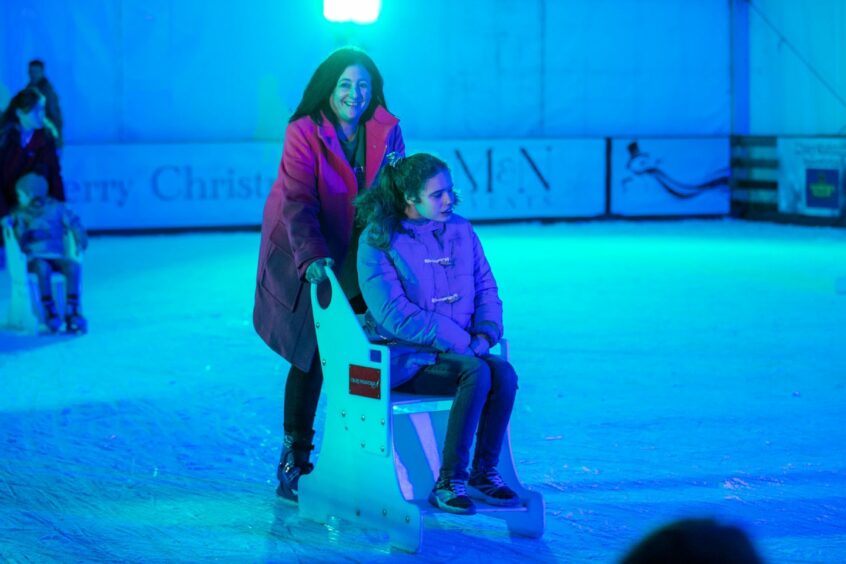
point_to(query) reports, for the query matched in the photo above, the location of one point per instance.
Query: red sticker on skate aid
(366, 382)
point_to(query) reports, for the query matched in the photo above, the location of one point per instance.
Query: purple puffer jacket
(433, 289)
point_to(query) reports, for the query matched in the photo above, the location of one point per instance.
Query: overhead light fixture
(356, 11)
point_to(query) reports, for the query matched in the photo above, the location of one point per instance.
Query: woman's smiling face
(352, 94)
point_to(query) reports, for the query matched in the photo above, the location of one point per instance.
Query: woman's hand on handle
(316, 271)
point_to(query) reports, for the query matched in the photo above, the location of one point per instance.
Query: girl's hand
(480, 345)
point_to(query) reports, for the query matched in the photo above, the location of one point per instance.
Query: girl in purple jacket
(429, 288)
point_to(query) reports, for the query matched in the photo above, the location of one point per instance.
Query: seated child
(40, 224)
(428, 285)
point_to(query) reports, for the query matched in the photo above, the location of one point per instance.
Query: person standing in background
(53, 112)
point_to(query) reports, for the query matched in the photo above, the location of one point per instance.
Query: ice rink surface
(668, 369)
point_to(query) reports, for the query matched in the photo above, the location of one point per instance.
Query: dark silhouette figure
(694, 541)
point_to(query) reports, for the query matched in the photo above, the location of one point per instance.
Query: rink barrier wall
(175, 187)
(789, 179)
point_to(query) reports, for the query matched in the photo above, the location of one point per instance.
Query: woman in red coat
(25, 146)
(335, 145)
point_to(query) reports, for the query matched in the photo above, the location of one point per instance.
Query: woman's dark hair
(24, 101)
(315, 99)
(382, 207)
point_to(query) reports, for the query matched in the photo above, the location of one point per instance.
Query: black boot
(74, 322)
(51, 314)
(293, 463)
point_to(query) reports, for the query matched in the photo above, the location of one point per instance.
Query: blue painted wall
(190, 70)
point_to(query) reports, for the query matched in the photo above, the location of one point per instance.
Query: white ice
(668, 369)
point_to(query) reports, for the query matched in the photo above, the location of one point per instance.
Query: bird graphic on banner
(641, 164)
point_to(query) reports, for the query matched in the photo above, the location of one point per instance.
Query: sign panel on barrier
(655, 177)
(811, 176)
(506, 179)
(161, 186)
(164, 186)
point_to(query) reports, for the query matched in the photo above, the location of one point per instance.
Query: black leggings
(302, 392)
(302, 389)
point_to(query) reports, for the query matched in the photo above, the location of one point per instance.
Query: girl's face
(34, 118)
(435, 201)
(29, 184)
(351, 95)
(23, 197)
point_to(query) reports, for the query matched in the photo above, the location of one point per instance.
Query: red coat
(308, 215)
(16, 161)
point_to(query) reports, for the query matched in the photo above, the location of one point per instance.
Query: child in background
(428, 285)
(40, 224)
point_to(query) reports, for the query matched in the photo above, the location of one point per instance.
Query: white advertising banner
(812, 176)
(656, 177)
(166, 186)
(217, 185)
(514, 179)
